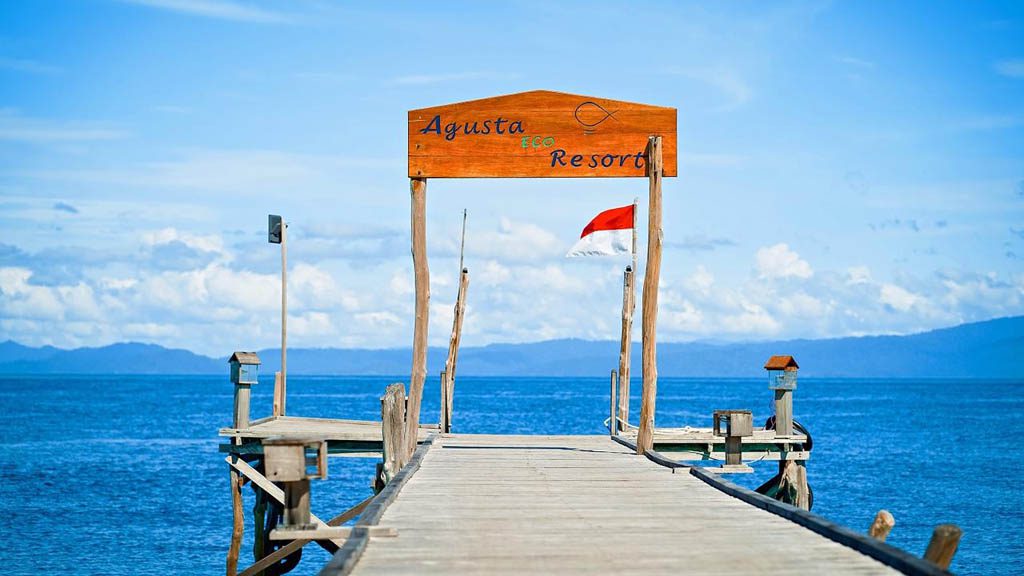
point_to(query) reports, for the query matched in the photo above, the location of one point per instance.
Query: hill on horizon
(989, 349)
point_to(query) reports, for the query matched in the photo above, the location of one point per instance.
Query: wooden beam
(421, 272)
(882, 525)
(652, 273)
(626, 339)
(943, 545)
(294, 545)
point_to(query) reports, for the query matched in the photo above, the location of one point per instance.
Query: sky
(845, 169)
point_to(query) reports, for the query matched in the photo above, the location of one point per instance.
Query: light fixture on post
(277, 234)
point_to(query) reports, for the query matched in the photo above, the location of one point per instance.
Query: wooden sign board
(538, 134)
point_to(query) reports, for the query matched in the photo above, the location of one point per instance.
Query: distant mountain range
(991, 349)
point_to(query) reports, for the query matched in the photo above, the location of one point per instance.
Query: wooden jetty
(474, 504)
(638, 500)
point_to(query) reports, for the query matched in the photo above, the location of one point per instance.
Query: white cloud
(898, 298)
(423, 79)
(28, 66)
(700, 281)
(858, 275)
(204, 243)
(220, 9)
(1011, 68)
(779, 261)
(17, 128)
(725, 80)
(856, 62)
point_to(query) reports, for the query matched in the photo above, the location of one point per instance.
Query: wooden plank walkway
(580, 504)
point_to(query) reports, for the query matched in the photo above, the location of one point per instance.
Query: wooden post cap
(882, 525)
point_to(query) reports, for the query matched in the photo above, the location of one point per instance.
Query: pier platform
(478, 504)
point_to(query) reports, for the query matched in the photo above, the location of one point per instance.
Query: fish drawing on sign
(590, 114)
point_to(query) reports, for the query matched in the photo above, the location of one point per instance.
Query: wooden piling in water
(237, 523)
(943, 545)
(645, 435)
(418, 193)
(882, 525)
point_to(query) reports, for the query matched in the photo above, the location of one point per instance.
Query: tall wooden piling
(626, 339)
(448, 381)
(422, 283)
(645, 435)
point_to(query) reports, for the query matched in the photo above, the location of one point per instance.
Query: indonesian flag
(610, 232)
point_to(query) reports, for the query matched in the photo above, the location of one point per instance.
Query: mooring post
(943, 545)
(626, 340)
(645, 435)
(613, 426)
(393, 430)
(882, 525)
(421, 271)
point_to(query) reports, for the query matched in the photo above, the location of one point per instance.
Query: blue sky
(845, 169)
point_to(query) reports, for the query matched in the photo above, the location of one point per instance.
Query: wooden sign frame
(540, 134)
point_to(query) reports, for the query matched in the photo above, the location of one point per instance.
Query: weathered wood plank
(512, 505)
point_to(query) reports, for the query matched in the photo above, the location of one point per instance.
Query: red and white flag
(610, 232)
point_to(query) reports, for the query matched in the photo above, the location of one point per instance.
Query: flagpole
(635, 201)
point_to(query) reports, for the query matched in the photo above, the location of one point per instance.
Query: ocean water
(121, 475)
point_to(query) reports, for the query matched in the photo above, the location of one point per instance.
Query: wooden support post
(626, 340)
(783, 413)
(882, 525)
(285, 464)
(278, 395)
(237, 522)
(448, 381)
(243, 393)
(422, 283)
(943, 545)
(645, 435)
(793, 487)
(392, 414)
(613, 426)
(442, 422)
(294, 545)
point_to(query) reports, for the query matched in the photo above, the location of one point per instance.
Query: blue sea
(121, 475)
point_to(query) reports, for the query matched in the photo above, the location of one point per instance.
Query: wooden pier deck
(574, 504)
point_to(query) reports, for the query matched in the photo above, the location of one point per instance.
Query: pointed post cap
(781, 363)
